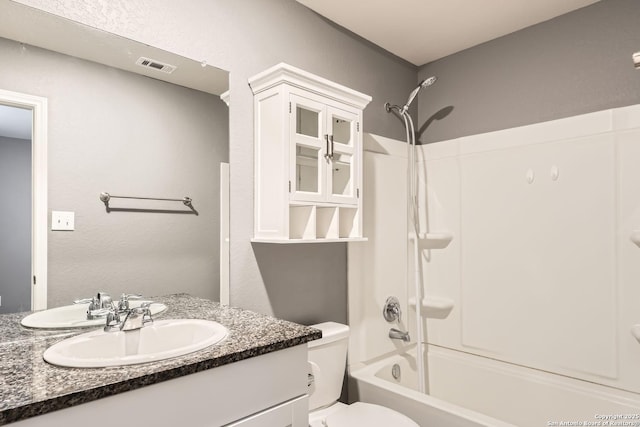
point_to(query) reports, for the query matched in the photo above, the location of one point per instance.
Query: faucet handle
(145, 306)
(123, 304)
(146, 317)
(144, 311)
(391, 310)
(83, 300)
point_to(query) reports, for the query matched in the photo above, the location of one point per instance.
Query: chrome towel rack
(105, 197)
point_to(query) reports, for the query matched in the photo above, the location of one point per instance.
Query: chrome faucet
(134, 318)
(396, 334)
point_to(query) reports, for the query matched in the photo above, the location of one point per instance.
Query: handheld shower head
(423, 84)
(428, 82)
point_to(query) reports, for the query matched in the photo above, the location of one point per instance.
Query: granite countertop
(29, 386)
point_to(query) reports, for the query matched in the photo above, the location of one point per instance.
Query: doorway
(23, 200)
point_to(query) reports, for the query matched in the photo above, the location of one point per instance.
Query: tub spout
(396, 334)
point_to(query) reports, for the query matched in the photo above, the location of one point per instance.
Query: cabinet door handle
(331, 146)
(327, 147)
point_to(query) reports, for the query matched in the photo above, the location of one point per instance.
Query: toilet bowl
(358, 414)
(327, 361)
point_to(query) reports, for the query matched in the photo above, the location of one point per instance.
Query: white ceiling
(422, 31)
(15, 122)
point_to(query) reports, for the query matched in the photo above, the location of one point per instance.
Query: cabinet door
(308, 150)
(342, 174)
(294, 413)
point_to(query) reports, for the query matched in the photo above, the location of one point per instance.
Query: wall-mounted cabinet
(308, 158)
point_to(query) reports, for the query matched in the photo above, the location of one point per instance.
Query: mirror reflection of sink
(160, 340)
(75, 316)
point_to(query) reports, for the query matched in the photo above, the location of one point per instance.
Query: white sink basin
(75, 316)
(159, 340)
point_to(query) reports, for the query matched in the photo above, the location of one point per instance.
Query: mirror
(130, 130)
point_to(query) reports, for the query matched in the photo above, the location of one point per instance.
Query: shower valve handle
(392, 311)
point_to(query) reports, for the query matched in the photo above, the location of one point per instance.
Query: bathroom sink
(75, 316)
(159, 340)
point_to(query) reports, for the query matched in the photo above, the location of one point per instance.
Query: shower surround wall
(542, 268)
(540, 276)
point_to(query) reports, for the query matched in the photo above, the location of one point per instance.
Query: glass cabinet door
(308, 150)
(342, 129)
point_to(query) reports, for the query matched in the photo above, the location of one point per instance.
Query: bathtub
(374, 383)
(466, 390)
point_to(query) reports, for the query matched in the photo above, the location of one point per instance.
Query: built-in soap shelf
(434, 306)
(433, 240)
(321, 223)
(635, 237)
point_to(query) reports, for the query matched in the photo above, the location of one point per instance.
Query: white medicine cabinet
(308, 158)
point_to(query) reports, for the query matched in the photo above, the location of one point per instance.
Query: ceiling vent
(155, 65)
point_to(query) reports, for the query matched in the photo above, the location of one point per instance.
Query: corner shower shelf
(435, 307)
(635, 237)
(434, 240)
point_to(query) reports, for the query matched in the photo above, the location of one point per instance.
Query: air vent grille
(155, 65)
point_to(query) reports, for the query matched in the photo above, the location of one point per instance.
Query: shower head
(423, 84)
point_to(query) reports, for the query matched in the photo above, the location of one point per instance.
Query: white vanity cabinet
(308, 158)
(266, 391)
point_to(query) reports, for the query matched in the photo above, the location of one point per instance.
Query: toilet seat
(360, 414)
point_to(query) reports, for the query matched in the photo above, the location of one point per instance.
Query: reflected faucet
(99, 306)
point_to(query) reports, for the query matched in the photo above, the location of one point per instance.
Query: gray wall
(305, 283)
(15, 224)
(119, 132)
(577, 63)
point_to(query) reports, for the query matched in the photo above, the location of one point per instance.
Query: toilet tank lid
(331, 331)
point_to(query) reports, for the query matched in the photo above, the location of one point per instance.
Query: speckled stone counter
(29, 386)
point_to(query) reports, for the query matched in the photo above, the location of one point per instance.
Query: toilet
(327, 360)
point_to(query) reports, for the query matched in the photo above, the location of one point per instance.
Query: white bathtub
(465, 389)
(375, 384)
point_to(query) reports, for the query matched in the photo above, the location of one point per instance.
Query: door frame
(38, 106)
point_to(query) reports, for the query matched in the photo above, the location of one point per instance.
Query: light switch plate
(62, 221)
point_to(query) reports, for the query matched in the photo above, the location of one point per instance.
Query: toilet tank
(327, 361)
